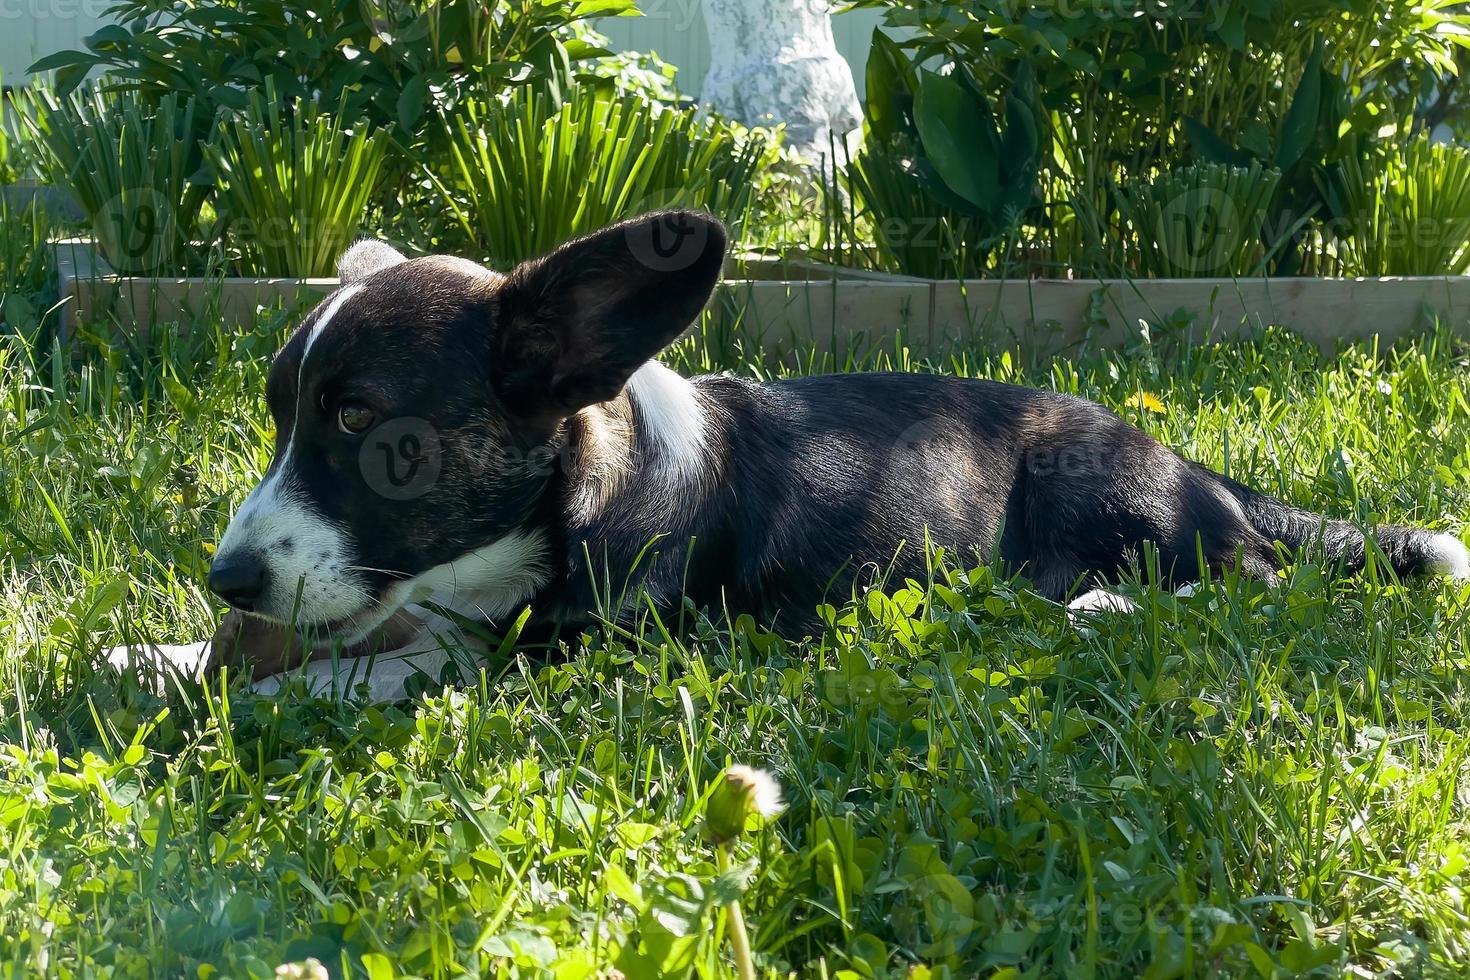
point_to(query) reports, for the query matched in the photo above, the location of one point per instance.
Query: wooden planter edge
(840, 315)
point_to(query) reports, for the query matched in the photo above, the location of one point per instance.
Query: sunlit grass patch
(1252, 781)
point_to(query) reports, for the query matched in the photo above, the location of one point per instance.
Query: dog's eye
(353, 417)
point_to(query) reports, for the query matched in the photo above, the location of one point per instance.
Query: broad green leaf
(411, 102)
(887, 86)
(959, 137)
(70, 76)
(109, 36)
(378, 966)
(1232, 29)
(62, 59)
(1210, 146)
(1021, 143)
(624, 887)
(604, 8)
(635, 834)
(1301, 122)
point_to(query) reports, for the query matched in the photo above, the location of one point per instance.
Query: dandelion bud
(741, 791)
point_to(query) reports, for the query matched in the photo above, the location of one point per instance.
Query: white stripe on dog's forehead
(334, 303)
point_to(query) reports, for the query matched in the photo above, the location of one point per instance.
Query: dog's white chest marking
(487, 583)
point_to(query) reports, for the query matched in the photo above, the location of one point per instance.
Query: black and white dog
(486, 441)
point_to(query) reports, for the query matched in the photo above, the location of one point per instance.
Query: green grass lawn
(1254, 781)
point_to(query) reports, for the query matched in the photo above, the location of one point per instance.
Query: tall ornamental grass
(1205, 220)
(528, 172)
(133, 166)
(1404, 211)
(295, 182)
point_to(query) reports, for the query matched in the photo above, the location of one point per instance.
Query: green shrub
(295, 184)
(1124, 92)
(912, 232)
(400, 64)
(26, 269)
(529, 172)
(390, 59)
(133, 166)
(941, 180)
(13, 157)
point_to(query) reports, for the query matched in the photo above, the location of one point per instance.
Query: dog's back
(811, 484)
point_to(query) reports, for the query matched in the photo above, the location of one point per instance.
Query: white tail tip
(1448, 556)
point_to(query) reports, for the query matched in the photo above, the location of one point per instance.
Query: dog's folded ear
(572, 327)
(364, 258)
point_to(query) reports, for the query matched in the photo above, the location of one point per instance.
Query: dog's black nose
(239, 579)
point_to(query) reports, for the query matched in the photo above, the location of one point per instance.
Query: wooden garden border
(847, 312)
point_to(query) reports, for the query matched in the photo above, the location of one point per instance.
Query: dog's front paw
(1100, 602)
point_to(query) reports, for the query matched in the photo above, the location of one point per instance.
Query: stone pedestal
(775, 61)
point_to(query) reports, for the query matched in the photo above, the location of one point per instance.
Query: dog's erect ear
(572, 327)
(364, 258)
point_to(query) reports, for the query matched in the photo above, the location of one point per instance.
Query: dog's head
(417, 411)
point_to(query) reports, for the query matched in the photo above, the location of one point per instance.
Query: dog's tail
(1410, 550)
